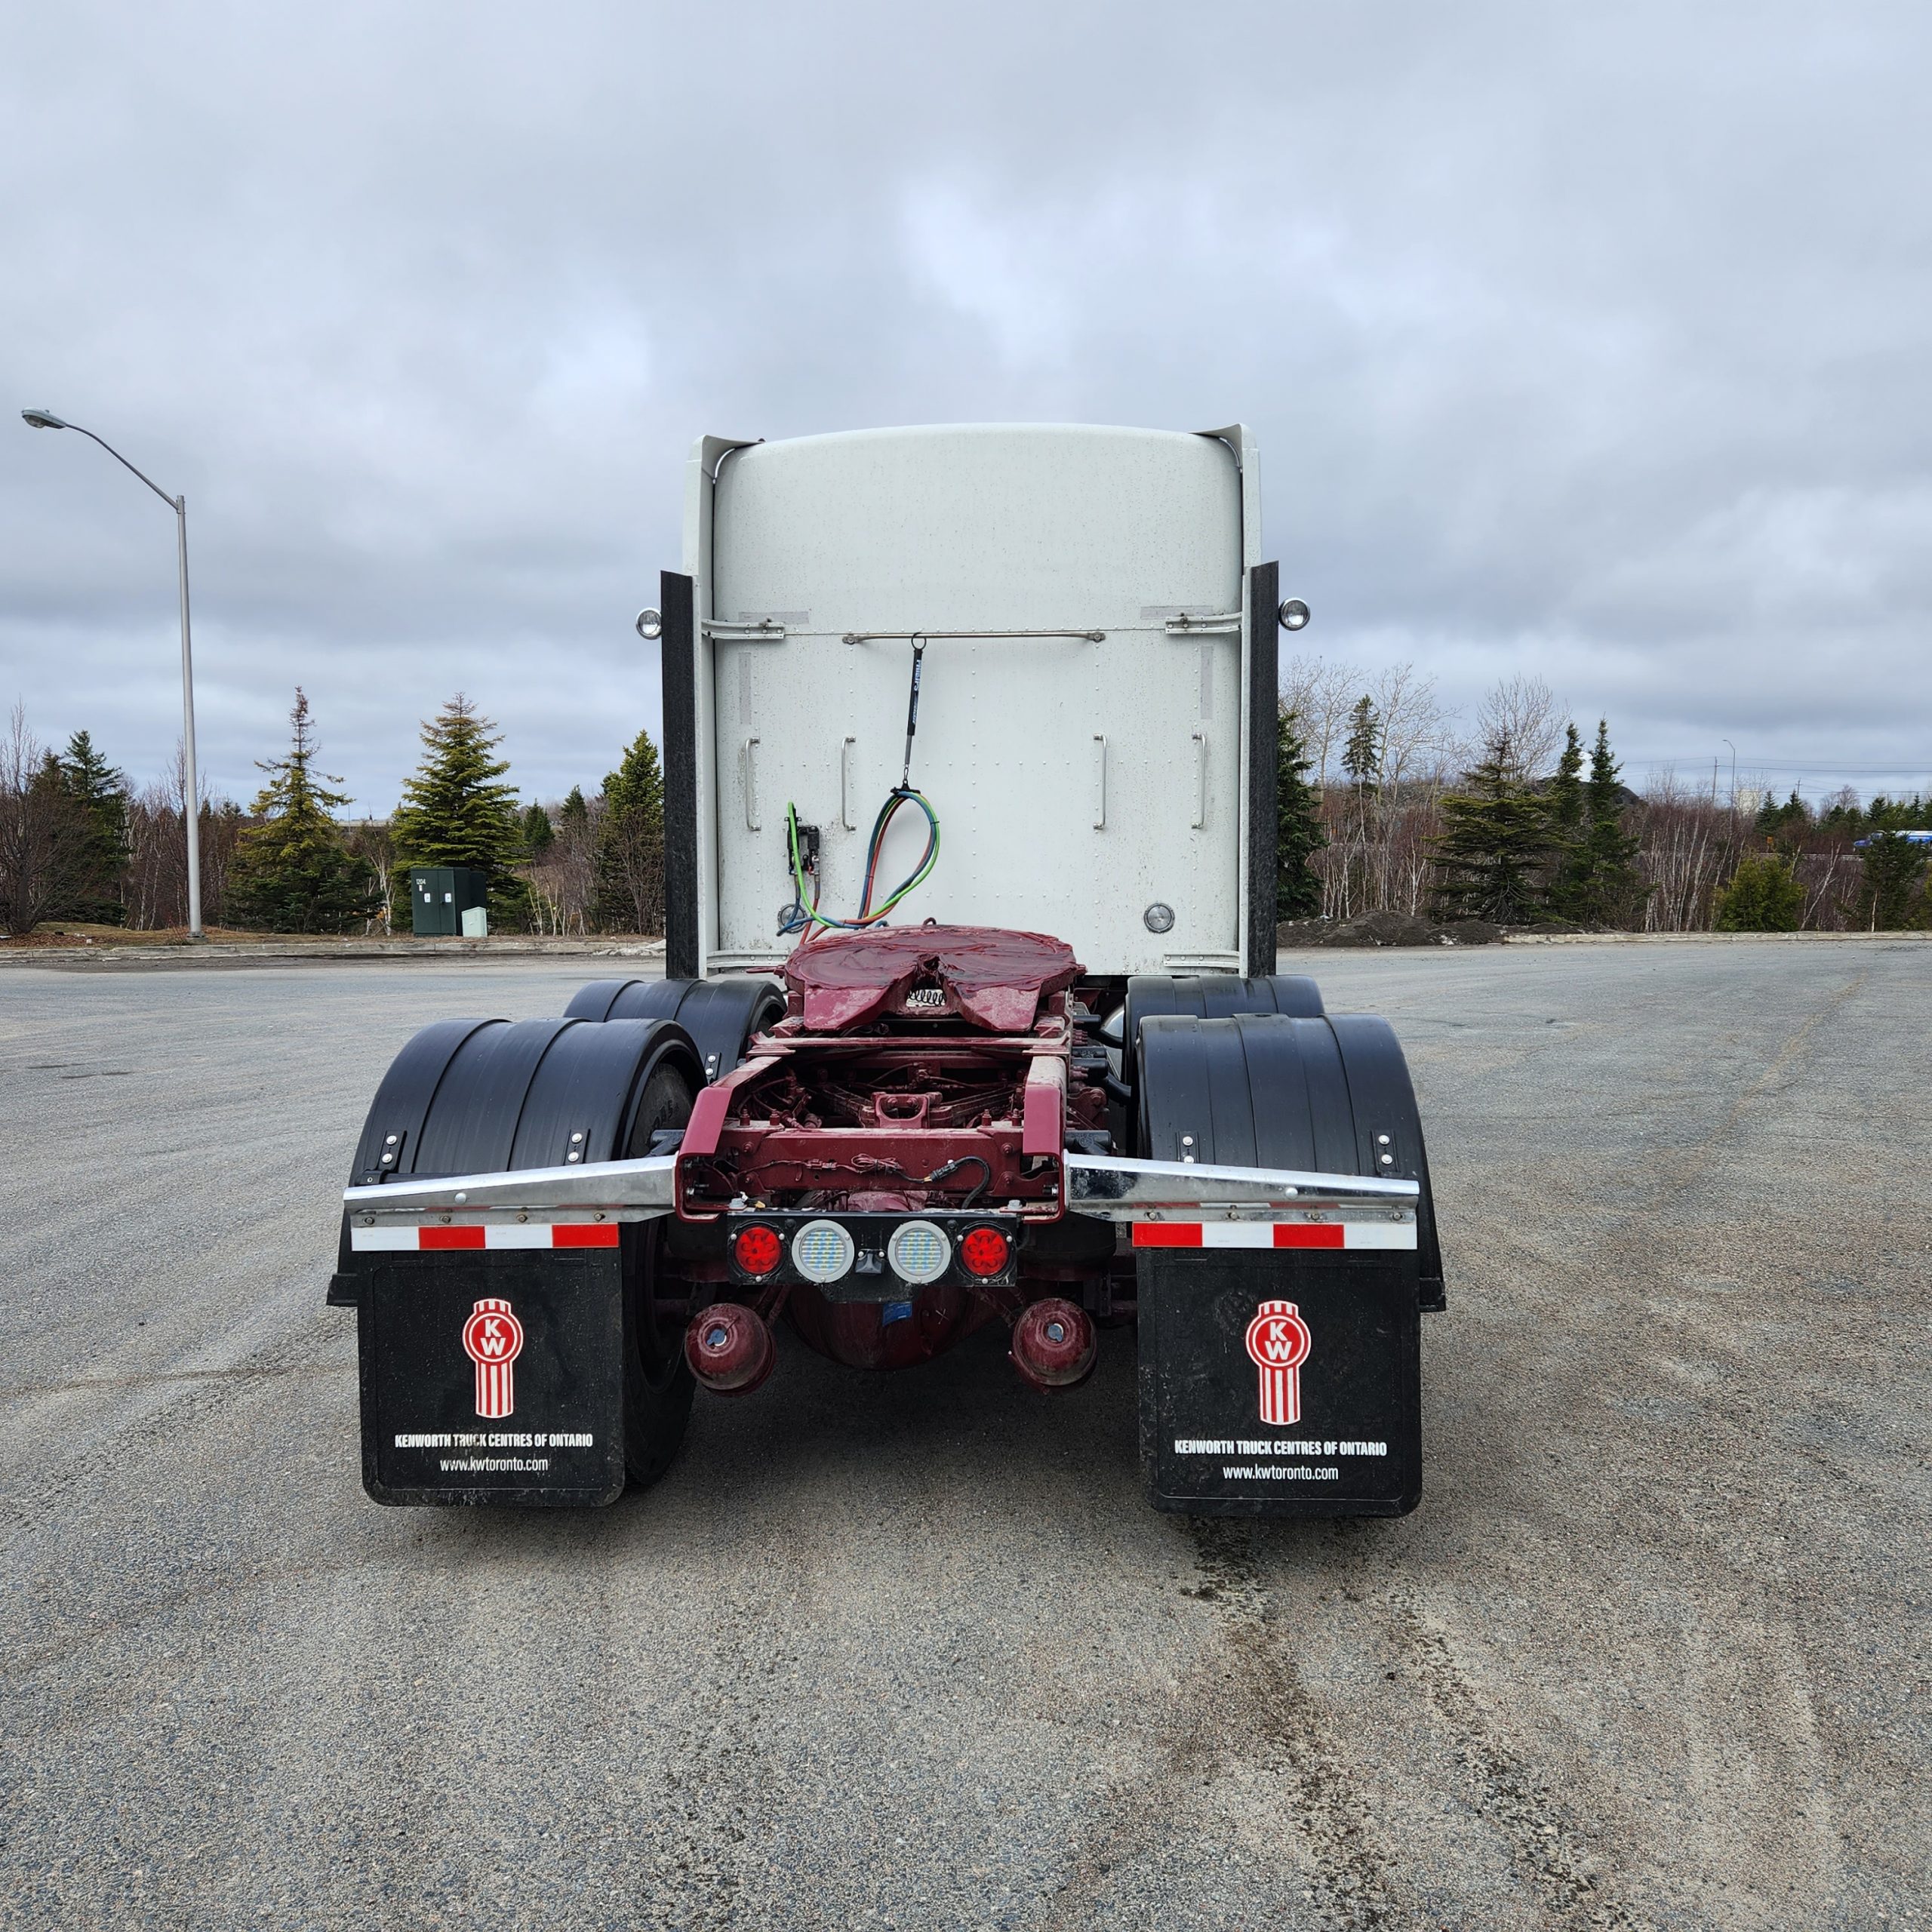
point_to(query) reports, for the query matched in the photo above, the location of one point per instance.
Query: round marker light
(984, 1252)
(756, 1249)
(919, 1252)
(650, 624)
(1294, 615)
(822, 1251)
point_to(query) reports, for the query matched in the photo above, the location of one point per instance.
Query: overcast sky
(1590, 341)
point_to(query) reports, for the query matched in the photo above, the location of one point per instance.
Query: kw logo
(492, 1339)
(1278, 1343)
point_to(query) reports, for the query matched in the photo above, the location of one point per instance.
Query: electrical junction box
(441, 895)
(1096, 715)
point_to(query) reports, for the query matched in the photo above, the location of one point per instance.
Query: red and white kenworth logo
(492, 1339)
(1278, 1344)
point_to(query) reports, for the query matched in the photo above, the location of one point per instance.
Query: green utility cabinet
(440, 895)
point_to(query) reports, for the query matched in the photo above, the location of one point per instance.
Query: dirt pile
(1386, 929)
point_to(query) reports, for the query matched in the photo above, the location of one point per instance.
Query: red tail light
(985, 1252)
(756, 1249)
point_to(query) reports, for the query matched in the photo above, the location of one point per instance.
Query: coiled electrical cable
(799, 917)
(802, 915)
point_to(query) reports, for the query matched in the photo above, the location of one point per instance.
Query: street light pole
(191, 805)
(190, 802)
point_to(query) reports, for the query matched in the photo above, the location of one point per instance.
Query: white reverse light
(919, 1252)
(822, 1251)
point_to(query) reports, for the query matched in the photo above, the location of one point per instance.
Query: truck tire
(490, 1095)
(1270, 1090)
(1204, 996)
(719, 1015)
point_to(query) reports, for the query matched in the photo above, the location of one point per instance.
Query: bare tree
(371, 838)
(1420, 745)
(1688, 848)
(157, 875)
(1321, 695)
(563, 880)
(46, 847)
(1522, 711)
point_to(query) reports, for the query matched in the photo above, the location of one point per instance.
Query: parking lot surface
(911, 1651)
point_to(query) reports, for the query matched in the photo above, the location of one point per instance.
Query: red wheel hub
(729, 1349)
(1053, 1344)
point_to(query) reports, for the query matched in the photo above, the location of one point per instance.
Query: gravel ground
(911, 1651)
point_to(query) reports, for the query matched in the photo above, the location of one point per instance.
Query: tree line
(79, 844)
(1385, 804)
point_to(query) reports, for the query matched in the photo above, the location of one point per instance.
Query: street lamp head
(42, 419)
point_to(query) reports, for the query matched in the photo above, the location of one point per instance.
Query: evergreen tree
(100, 793)
(45, 838)
(539, 834)
(574, 814)
(1610, 891)
(455, 811)
(1362, 757)
(1884, 814)
(1298, 835)
(1563, 804)
(630, 843)
(1888, 898)
(1762, 896)
(1787, 824)
(1495, 846)
(1842, 813)
(292, 871)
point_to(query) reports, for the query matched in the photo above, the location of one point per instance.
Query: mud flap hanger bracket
(1110, 1188)
(1099, 1185)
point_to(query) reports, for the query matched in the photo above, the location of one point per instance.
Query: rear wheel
(658, 1384)
(721, 1016)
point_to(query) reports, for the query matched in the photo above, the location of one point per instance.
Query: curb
(338, 952)
(1521, 939)
(1705, 939)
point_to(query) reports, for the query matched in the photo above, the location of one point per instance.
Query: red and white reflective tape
(491, 1234)
(1349, 1235)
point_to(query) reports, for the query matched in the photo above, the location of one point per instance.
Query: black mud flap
(494, 1378)
(1277, 1384)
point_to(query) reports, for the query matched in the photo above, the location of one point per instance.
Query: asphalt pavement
(911, 1651)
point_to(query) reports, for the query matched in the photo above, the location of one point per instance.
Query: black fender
(719, 1015)
(1327, 1094)
(468, 1096)
(1200, 996)
(1218, 996)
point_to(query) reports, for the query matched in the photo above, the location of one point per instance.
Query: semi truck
(969, 1019)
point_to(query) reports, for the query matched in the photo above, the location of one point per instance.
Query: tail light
(756, 1249)
(985, 1252)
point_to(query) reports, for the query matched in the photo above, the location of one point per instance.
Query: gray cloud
(1586, 342)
